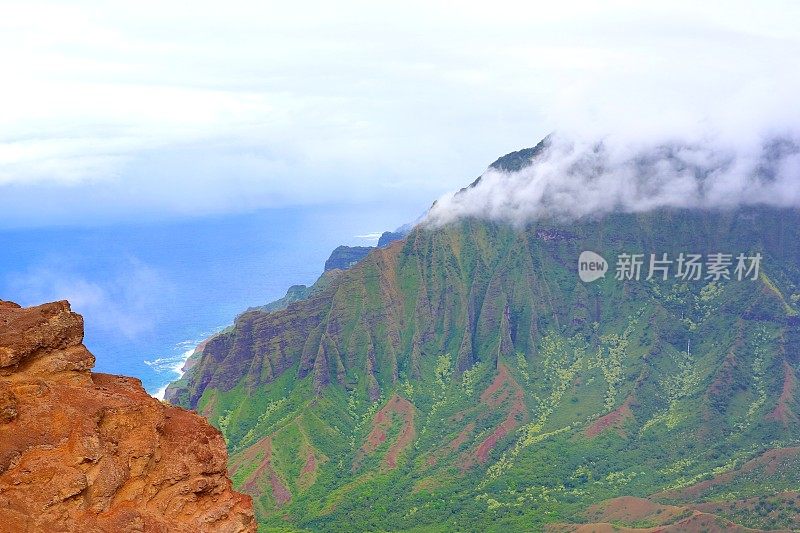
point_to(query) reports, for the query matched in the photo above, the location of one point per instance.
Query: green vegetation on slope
(465, 379)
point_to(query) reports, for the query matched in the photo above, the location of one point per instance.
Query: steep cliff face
(81, 451)
(475, 290)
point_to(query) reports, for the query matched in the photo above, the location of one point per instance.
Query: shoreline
(178, 364)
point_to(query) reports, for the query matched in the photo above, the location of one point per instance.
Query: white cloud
(123, 301)
(117, 110)
(573, 178)
(371, 238)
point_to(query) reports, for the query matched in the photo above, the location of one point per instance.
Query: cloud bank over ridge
(574, 178)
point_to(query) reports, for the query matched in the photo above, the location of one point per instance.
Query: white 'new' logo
(591, 266)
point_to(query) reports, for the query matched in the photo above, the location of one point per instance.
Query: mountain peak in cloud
(566, 177)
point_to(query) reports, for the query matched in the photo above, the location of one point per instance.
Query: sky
(123, 111)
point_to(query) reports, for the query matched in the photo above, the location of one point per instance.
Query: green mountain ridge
(465, 379)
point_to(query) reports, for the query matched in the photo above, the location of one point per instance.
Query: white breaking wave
(172, 364)
(159, 394)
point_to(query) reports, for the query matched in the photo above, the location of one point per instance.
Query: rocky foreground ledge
(81, 451)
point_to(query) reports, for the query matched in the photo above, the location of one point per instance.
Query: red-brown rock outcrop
(88, 452)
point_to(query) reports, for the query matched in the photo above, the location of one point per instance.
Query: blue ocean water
(150, 291)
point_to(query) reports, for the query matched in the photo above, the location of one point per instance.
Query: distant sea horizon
(150, 292)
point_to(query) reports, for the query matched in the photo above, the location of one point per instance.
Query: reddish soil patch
(250, 454)
(783, 412)
(723, 381)
(208, 410)
(503, 389)
(407, 433)
(497, 392)
(462, 437)
(485, 447)
(591, 528)
(517, 410)
(614, 515)
(766, 464)
(308, 474)
(396, 407)
(705, 523)
(280, 493)
(724, 378)
(311, 464)
(695, 523)
(786, 499)
(613, 419)
(453, 445)
(628, 509)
